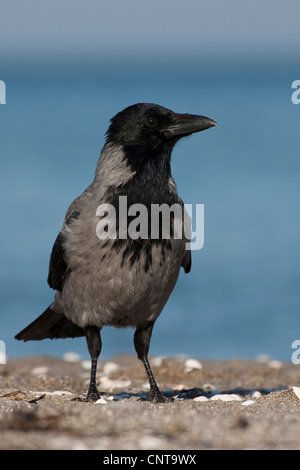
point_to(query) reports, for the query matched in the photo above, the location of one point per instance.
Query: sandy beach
(210, 404)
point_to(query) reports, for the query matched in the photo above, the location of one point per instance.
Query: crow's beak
(187, 124)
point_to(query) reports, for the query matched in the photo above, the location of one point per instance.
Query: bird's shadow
(192, 393)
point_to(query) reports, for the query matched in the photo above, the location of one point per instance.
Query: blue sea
(242, 297)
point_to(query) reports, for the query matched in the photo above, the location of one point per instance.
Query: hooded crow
(120, 280)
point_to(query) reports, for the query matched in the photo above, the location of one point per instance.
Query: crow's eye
(151, 122)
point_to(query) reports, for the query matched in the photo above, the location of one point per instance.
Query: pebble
(296, 391)
(256, 394)
(226, 397)
(71, 357)
(192, 364)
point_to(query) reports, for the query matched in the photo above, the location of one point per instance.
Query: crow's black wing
(58, 265)
(187, 261)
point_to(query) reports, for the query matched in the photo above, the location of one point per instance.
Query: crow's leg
(94, 344)
(142, 338)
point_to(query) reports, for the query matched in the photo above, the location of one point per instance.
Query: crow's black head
(152, 126)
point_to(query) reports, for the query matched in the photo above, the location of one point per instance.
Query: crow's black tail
(50, 325)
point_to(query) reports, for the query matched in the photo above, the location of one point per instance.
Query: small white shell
(275, 364)
(202, 398)
(192, 364)
(110, 384)
(61, 392)
(71, 357)
(248, 402)
(101, 401)
(156, 361)
(110, 367)
(296, 391)
(41, 370)
(86, 364)
(226, 397)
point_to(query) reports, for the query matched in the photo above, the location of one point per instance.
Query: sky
(114, 28)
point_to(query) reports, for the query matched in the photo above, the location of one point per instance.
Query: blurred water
(242, 295)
